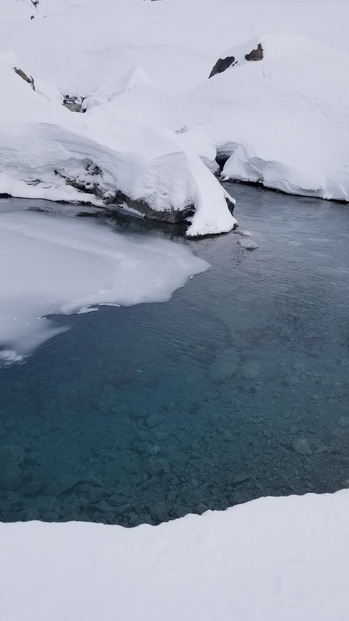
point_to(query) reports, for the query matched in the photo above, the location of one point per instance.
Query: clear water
(236, 388)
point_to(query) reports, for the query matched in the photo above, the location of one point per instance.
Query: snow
(270, 559)
(62, 265)
(294, 138)
(153, 125)
(152, 116)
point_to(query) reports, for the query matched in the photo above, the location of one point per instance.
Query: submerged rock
(156, 466)
(11, 478)
(248, 244)
(301, 446)
(222, 64)
(159, 512)
(11, 454)
(251, 370)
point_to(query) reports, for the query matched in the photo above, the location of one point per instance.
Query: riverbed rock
(25, 77)
(11, 454)
(159, 512)
(256, 54)
(301, 446)
(225, 365)
(11, 478)
(248, 244)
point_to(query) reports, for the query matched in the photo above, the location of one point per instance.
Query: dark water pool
(236, 388)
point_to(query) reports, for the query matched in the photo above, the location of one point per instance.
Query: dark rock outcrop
(25, 77)
(256, 54)
(73, 103)
(91, 182)
(222, 64)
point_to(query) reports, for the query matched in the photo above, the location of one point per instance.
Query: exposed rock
(256, 54)
(94, 186)
(251, 370)
(24, 77)
(73, 103)
(225, 365)
(229, 61)
(222, 64)
(242, 233)
(237, 479)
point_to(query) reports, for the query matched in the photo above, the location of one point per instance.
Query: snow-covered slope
(47, 151)
(290, 115)
(152, 116)
(271, 559)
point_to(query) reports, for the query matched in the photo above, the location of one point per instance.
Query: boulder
(240, 57)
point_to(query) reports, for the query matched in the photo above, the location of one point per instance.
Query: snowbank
(62, 265)
(290, 111)
(140, 70)
(46, 151)
(270, 559)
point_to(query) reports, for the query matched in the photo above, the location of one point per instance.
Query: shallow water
(236, 388)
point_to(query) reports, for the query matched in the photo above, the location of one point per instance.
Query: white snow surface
(271, 559)
(62, 265)
(153, 117)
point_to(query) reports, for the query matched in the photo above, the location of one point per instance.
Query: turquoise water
(235, 389)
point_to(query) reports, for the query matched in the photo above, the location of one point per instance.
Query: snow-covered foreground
(153, 121)
(61, 265)
(268, 560)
